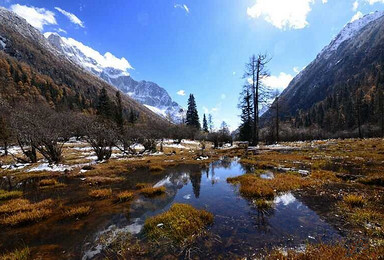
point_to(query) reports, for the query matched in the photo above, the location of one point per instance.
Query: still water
(240, 228)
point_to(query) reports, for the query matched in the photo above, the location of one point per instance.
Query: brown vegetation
(180, 224)
(100, 193)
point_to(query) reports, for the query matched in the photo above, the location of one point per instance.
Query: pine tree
(192, 115)
(104, 105)
(205, 124)
(246, 106)
(119, 111)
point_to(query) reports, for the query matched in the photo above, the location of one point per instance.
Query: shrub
(181, 223)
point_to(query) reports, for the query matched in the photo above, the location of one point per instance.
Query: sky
(199, 46)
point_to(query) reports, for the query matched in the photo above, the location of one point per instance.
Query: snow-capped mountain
(353, 52)
(114, 71)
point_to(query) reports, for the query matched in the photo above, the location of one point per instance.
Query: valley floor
(122, 208)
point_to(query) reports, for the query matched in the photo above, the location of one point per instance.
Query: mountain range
(147, 93)
(32, 70)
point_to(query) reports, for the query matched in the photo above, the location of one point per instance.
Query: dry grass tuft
(49, 183)
(125, 196)
(104, 180)
(18, 254)
(354, 201)
(326, 176)
(252, 186)
(101, 193)
(6, 195)
(156, 168)
(152, 191)
(77, 212)
(142, 185)
(181, 223)
(21, 211)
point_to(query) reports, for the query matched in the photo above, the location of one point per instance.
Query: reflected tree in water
(196, 181)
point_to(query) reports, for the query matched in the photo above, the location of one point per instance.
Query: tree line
(38, 128)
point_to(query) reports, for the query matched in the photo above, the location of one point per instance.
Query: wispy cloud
(371, 2)
(282, 14)
(182, 6)
(73, 18)
(37, 17)
(181, 92)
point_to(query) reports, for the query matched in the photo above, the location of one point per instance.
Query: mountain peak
(349, 31)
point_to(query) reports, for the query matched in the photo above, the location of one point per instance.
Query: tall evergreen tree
(192, 114)
(104, 105)
(246, 106)
(205, 124)
(119, 110)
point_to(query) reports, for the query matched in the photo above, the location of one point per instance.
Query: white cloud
(282, 14)
(181, 92)
(279, 82)
(223, 96)
(73, 18)
(205, 109)
(37, 17)
(61, 31)
(357, 16)
(184, 7)
(371, 2)
(106, 60)
(296, 69)
(324, 1)
(355, 5)
(234, 73)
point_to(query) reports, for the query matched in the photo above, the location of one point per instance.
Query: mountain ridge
(147, 93)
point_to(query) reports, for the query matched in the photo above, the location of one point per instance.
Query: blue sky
(200, 46)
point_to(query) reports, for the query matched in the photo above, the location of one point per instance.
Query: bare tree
(255, 73)
(100, 134)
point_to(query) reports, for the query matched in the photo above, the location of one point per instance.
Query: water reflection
(243, 226)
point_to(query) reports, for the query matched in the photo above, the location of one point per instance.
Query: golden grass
(21, 211)
(77, 212)
(252, 186)
(324, 251)
(103, 180)
(49, 183)
(6, 195)
(100, 193)
(152, 191)
(354, 201)
(18, 254)
(326, 176)
(24, 205)
(125, 196)
(181, 223)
